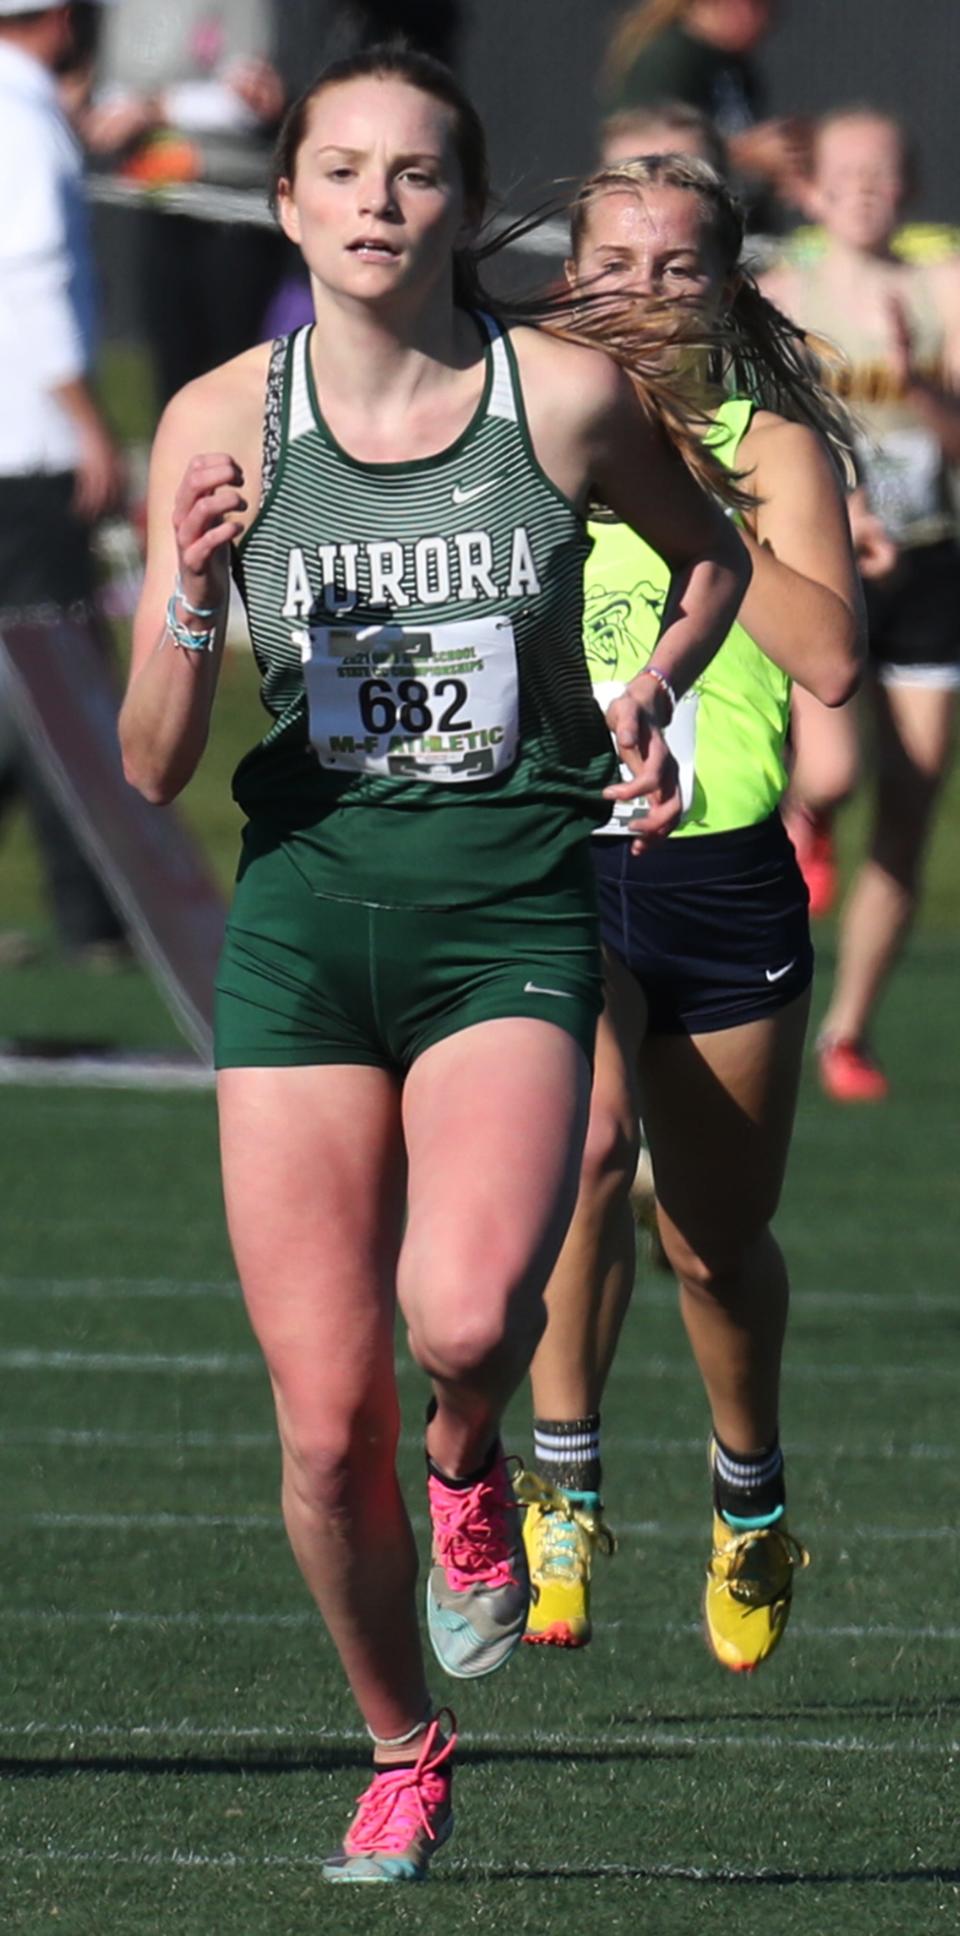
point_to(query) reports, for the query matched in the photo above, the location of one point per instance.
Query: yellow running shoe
(749, 1586)
(561, 1532)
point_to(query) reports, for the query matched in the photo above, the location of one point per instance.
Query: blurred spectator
(187, 91)
(664, 128)
(897, 324)
(699, 51)
(59, 468)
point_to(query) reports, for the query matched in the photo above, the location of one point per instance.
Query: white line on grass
(55, 1438)
(127, 1617)
(102, 1072)
(158, 1522)
(165, 1522)
(910, 1304)
(820, 1372)
(478, 1870)
(218, 1361)
(206, 1362)
(103, 1439)
(38, 1290)
(645, 1740)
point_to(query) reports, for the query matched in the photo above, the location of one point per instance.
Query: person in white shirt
(187, 93)
(59, 467)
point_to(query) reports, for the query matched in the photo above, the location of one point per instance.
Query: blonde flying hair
(639, 26)
(760, 353)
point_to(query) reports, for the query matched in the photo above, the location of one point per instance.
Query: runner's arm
(804, 606)
(196, 507)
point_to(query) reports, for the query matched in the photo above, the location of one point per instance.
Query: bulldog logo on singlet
(613, 650)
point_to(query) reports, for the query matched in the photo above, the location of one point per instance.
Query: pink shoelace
(474, 1530)
(402, 1803)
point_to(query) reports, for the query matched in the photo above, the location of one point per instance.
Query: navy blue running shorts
(714, 927)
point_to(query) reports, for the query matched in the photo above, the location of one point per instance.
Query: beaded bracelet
(654, 672)
(181, 634)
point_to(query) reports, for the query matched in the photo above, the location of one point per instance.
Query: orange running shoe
(848, 1073)
(812, 837)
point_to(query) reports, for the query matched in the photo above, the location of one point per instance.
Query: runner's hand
(877, 553)
(99, 473)
(655, 781)
(207, 519)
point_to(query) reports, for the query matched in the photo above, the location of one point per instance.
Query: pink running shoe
(403, 1818)
(478, 1591)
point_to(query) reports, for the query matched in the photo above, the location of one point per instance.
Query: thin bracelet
(654, 672)
(181, 634)
(196, 611)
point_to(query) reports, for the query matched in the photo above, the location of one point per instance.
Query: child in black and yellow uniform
(895, 317)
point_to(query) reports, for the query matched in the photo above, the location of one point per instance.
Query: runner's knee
(713, 1268)
(466, 1329)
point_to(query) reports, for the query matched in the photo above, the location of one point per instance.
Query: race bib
(432, 702)
(904, 478)
(681, 737)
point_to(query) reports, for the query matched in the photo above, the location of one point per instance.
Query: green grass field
(176, 1747)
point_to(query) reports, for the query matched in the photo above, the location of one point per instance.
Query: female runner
(411, 976)
(898, 324)
(706, 937)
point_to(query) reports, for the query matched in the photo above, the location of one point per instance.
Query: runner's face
(653, 243)
(859, 185)
(376, 203)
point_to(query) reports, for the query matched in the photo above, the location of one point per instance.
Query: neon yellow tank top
(743, 698)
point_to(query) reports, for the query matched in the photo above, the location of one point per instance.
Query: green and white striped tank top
(417, 627)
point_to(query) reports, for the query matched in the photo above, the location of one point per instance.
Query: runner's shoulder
(580, 385)
(222, 410)
(774, 449)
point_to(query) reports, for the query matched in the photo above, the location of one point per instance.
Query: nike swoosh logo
(530, 988)
(777, 974)
(465, 494)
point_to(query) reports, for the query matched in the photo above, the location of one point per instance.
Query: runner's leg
(591, 1287)
(313, 1178)
(718, 1112)
(494, 1119)
(913, 747)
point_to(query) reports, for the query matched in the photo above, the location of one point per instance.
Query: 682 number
(410, 705)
